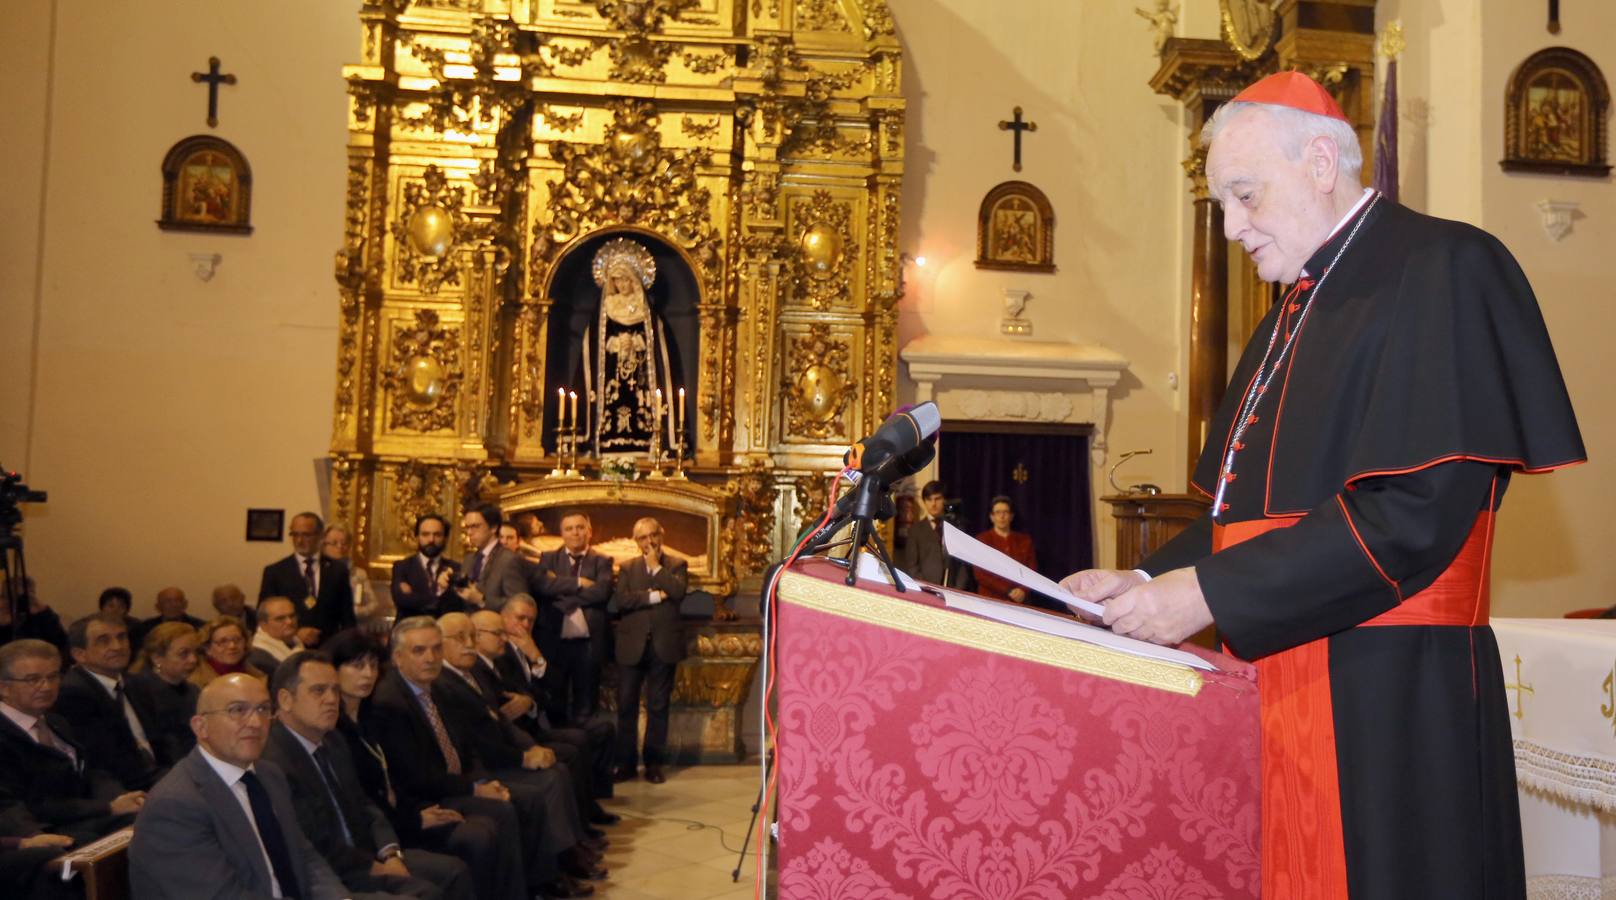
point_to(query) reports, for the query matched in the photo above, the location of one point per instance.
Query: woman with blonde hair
(162, 673)
(367, 604)
(224, 651)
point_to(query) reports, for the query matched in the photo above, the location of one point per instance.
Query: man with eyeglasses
(317, 586)
(114, 723)
(221, 824)
(44, 777)
(355, 836)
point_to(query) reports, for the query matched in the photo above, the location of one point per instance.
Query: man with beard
(421, 581)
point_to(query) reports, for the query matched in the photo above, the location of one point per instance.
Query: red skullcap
(1295, 90)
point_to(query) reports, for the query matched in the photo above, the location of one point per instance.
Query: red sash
(1303, 852)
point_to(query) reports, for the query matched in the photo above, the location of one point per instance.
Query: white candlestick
(679, 429)
(561, 414)
(656, 423)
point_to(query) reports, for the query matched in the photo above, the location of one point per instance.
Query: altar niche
(575, 315)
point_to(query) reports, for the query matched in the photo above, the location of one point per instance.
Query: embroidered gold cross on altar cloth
(1518, 688)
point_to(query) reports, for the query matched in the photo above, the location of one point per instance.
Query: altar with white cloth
(1560, 675)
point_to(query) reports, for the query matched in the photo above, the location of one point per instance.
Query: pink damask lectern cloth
(927, 753)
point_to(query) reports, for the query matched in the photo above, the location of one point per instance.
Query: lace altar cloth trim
(1570, 887)
(1584, 780)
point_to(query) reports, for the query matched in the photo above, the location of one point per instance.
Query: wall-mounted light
(905, 260)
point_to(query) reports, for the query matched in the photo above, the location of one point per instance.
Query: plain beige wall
(1553, 538)
(164, 406)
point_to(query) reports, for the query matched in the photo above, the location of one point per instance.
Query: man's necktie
(577, 563)
(329, 776)
(269, 831)
(308, 577)
(136, 731)
(451, 758)
(476, 569)
(47, 738)
(937, 526)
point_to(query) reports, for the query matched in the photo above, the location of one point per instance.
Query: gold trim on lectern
(966, 630)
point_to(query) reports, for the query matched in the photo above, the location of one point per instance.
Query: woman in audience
(162, 672)
(224, 651)
(367, 605)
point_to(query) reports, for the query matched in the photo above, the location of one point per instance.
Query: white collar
(229, 773)
(22, 719)
(308, 745)
(1363, 198)
(277, 648)
(111, 684)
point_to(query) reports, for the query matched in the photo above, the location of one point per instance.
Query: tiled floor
(680, 840)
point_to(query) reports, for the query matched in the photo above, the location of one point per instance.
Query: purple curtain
(1046, 476)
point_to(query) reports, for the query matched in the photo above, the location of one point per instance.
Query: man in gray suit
(923, 555)
(492, 573)
(221, 824)
(650, 642)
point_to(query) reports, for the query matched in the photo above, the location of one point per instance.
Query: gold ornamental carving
(423, 383)
(629, 179)
(810, 494)
(430, 230)
(754, 521)
(1248, 26)
(826, 250)
(818, 384)
(636, 58)
(821, 15)
(418, 490)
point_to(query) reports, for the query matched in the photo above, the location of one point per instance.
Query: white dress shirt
(275, 646)
(28, 724)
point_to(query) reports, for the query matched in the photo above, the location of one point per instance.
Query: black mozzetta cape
(1420, 379)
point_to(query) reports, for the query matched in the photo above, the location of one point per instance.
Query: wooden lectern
(927, 752)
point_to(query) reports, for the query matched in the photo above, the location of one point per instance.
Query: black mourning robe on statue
(1419, 379)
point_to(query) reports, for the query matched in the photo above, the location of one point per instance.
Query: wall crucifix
(214, 79)
(1554, 16)
(1018, 126)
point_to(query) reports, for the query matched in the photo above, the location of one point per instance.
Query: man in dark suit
(650, 643)
(228, 600)
(923, 555)
(433, 761)
(421, 581)
(318, 586)
(171, 607)
(573, 585)
(45, 782)
(492, 572)
(221, 823)
(353, 835)
(114, 724)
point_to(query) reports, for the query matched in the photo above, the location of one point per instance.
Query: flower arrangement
(619, 468)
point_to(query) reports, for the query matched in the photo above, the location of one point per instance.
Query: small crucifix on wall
(1018, 126)
(214, 79)
(1554, 16)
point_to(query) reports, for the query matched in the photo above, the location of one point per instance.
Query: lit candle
(656, 422)
(561, 412)
(679, 429)
(573, 395)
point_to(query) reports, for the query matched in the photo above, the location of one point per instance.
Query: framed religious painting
(207, 186)
(1015, 229)
(266, 524)
(1556, 115)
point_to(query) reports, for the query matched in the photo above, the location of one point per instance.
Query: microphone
(903, 445)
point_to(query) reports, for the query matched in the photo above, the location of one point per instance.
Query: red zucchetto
(1295, 90)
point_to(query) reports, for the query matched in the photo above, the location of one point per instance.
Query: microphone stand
(863, 507)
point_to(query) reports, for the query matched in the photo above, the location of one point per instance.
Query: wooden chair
(103, 864)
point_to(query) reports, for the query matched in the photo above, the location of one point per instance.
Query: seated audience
(1014, 544)
(228, 600)
(572, 746)
(171, 607)
(26, 854)
(39, 621)
(318, 587)
(650, 643)
(277, 635)
(221, 823)
(117, 601)
(114, 723)
(421, 581)
(434, 760)
(521, 668)
(224, 652)
(348, 830)
(367, 604)
(46, 783)
(162, 675)
(483, 832)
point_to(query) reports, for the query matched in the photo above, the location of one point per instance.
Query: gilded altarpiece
(755, 147)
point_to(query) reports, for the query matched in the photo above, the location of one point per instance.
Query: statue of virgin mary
(625, 357)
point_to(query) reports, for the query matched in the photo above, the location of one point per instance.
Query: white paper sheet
(1048, 623)
(963, 547)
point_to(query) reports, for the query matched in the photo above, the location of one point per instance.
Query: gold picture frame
(1015, 229)
(1556, 115)
(207, 186)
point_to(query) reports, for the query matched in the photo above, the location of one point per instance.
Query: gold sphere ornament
(424, 379)
(818, 388)
(821, 251)
(431, 231)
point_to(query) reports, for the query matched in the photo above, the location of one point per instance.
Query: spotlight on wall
(905, 260)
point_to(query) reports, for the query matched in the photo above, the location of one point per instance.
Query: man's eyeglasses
(241, 711)
(34, 681)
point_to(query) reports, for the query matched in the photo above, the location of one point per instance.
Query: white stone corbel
(1557, 217)
(205, 265)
